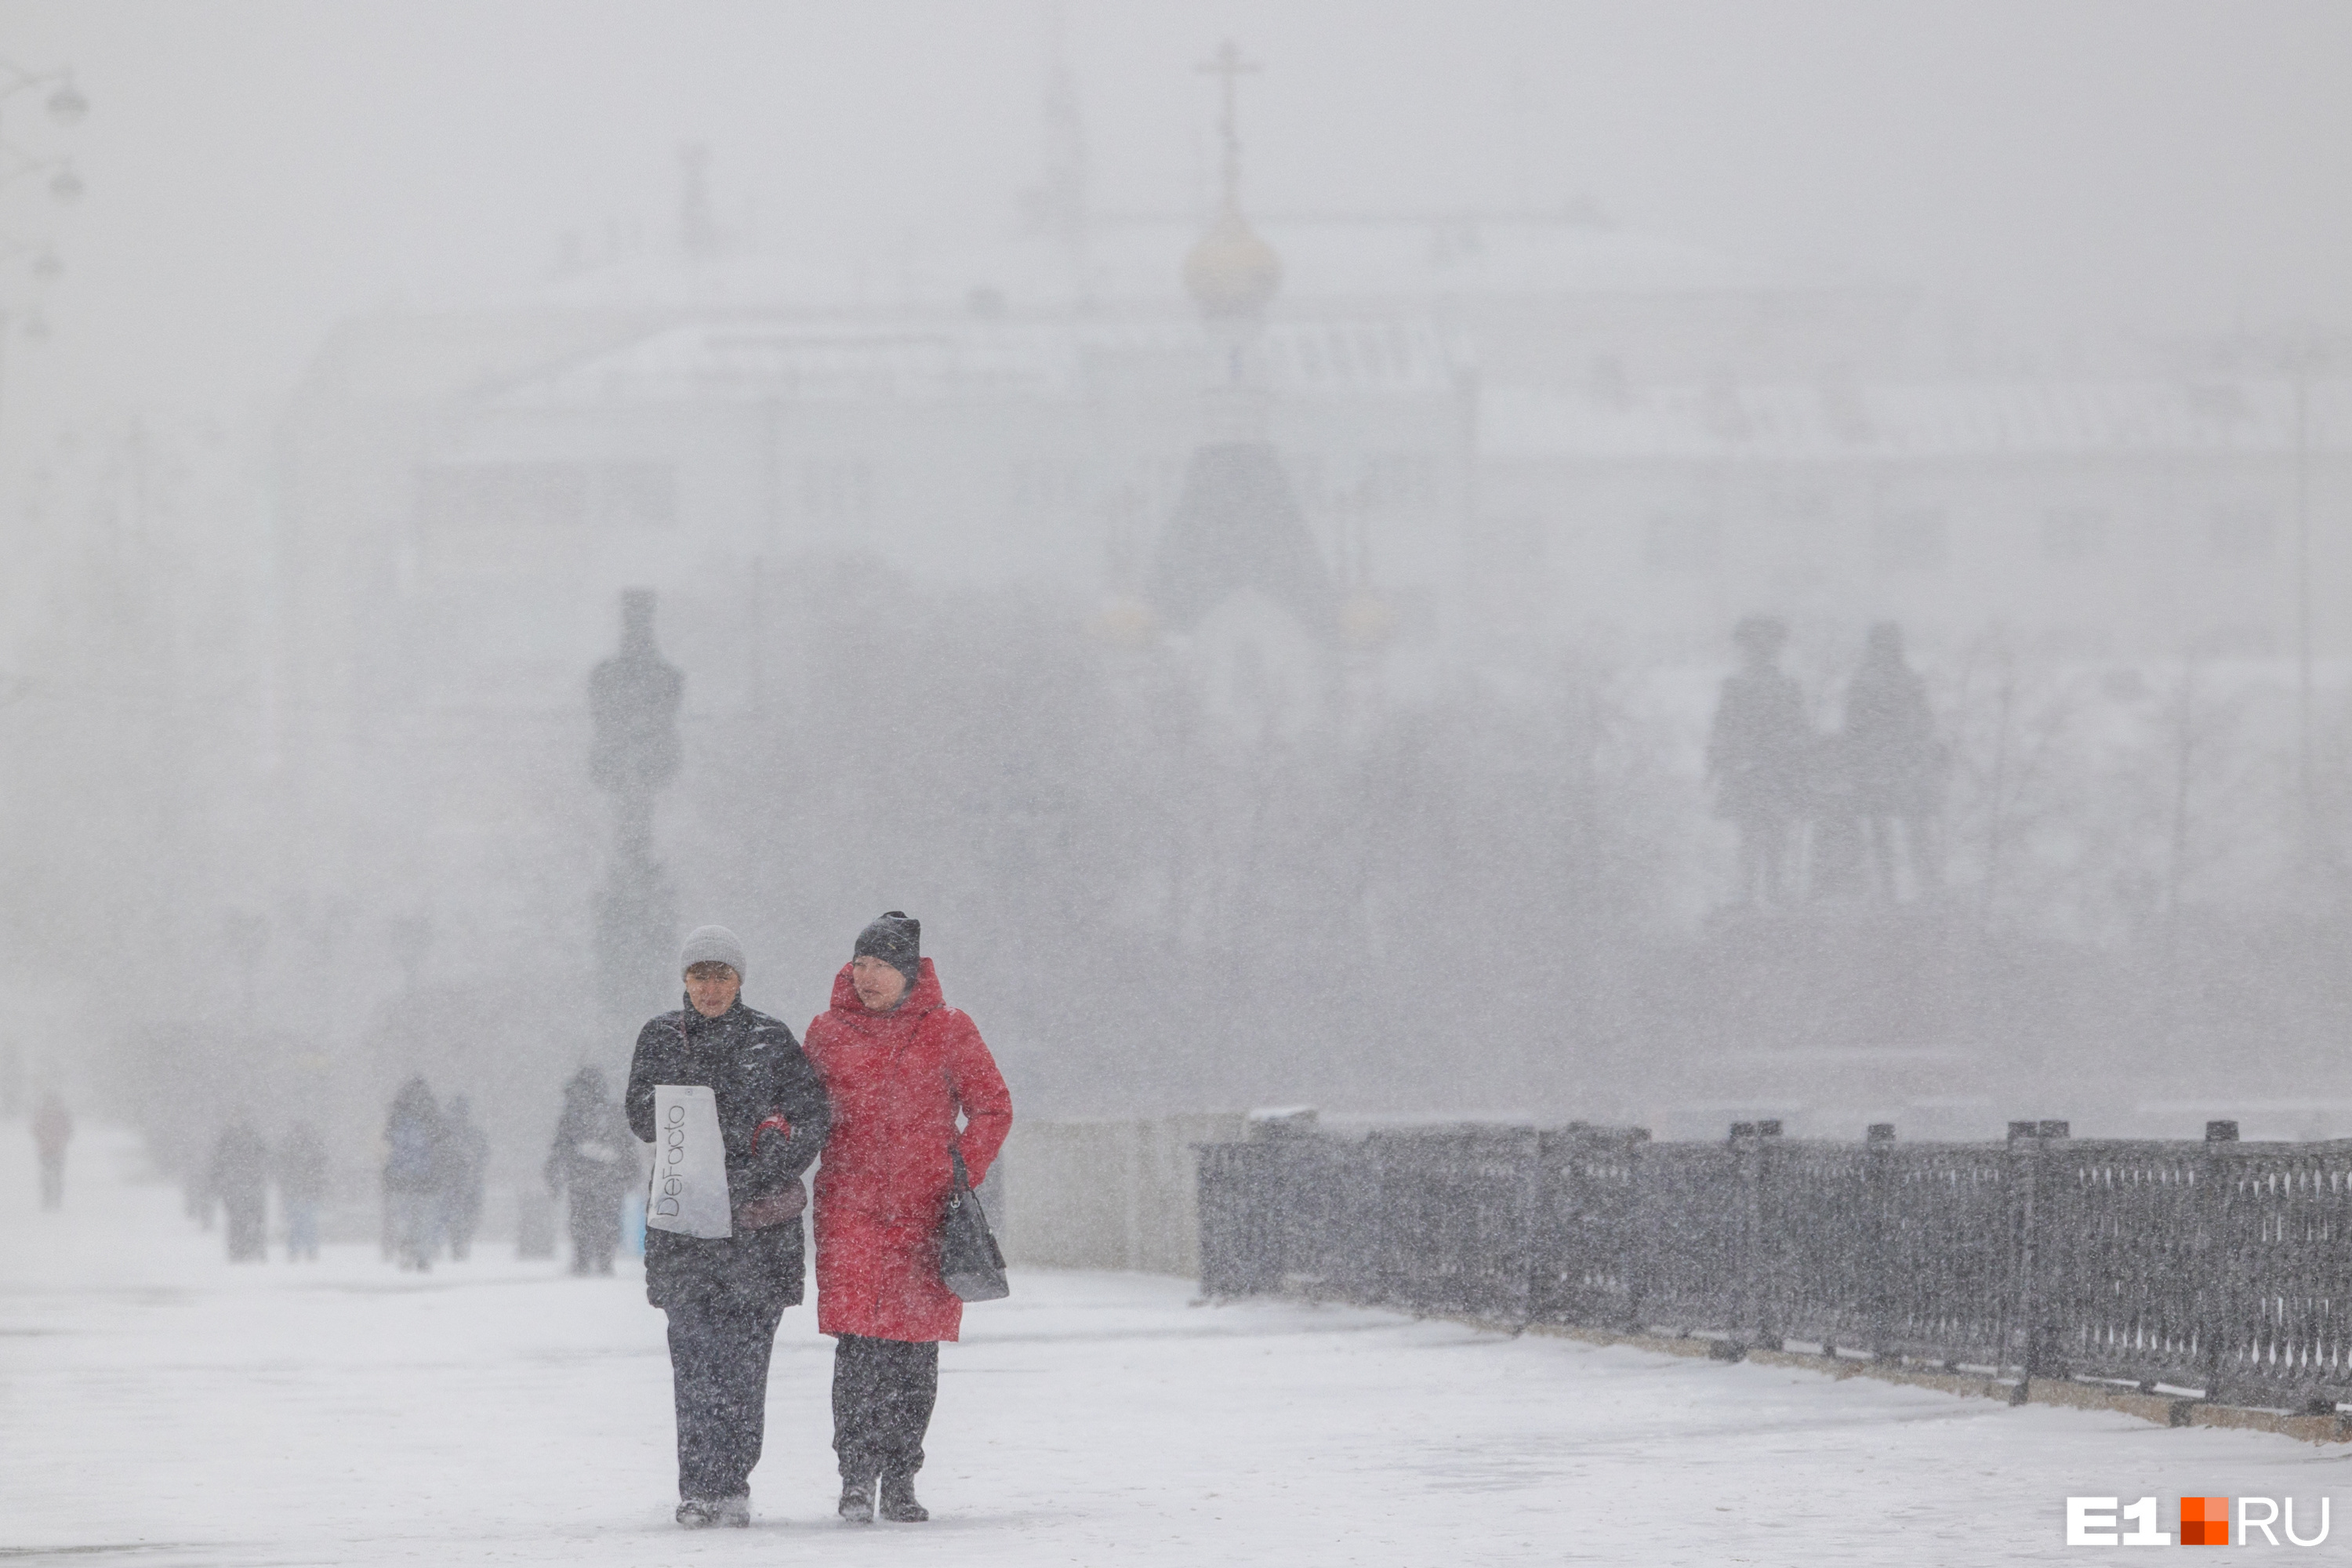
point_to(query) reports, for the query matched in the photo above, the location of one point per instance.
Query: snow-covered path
(159, 1407)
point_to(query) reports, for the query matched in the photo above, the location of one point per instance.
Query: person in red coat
(899, 1065)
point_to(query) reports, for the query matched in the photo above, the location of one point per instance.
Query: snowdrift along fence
(2220, 1267)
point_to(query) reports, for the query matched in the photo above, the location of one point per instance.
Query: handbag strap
(963, 1179)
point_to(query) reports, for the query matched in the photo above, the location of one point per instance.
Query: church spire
(1228, 67)
(1231, 272)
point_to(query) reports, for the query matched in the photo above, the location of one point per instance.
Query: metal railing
(2219, 1267)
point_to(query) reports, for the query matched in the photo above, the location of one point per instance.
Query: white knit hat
(711, 944)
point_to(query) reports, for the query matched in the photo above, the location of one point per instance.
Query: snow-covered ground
(159, 1407)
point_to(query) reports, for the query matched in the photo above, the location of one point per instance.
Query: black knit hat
(897, 939)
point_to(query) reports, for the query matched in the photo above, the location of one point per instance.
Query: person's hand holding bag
(758, 1213)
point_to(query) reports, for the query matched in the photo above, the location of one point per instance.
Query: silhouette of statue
(1757, 754)
(633, 701)
(1835, 861)
(1894, 764)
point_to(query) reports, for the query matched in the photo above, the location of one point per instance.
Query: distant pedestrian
(900, 1066)
(411, 1175)
(591, 1165)
(302, 1188)
(1757, 755)
(1896, 764)
(462, 1154)
(193, 1157)
(52, 1130)
(240, 1180)
(726, 1293)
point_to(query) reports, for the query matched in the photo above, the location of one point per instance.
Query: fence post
(1279, 1137)
(1538, 1232)
(2216, 1270)
(1752, 1308)
(1878, 1260)
(1237, 1255)
(1767, 1259)
(2028, 1143)
(1736, 1268)
(1386, 1185)
(1631, 1243)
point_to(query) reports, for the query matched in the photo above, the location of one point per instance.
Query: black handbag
(971, 1266)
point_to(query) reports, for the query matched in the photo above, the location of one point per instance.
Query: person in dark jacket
(592, 1163)
(411, 1175)
(464, 1156)
(902, 1066)
(725, 1295)
(52, 1130)
(240, 1179)
(302, 1188)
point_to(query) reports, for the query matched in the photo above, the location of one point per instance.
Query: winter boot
(898, 1504)
(858, 1501)
(695, 1514)
(734, 1512)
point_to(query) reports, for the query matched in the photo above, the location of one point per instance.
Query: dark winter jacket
(52, 1126)
(462, 1154)
(240, 1172)
(594, 1156)
(412, 1137)
(772, 1120)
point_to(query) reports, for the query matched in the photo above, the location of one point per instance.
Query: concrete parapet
(1108, 1194)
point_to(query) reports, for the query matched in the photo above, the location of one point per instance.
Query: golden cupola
(1232, 271)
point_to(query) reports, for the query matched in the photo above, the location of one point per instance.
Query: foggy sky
(258, 170)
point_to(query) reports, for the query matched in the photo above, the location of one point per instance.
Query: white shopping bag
(688, 1190)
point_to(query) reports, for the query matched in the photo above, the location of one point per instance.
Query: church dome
(1232, 271)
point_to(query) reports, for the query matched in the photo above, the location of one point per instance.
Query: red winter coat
(897, 1080)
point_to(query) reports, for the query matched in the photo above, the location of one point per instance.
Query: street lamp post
(45, 269)
(65, 107)
(633, 701)
(2302, 357)
(2296, 356)
(2308, 829)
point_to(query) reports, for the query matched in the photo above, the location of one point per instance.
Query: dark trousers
(301, 1229)
(461, 1219)
(883, 1391)
(719, 1372)
(246, 1217)
(595, 1230)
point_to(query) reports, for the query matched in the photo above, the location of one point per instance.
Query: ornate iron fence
(2218, 1267)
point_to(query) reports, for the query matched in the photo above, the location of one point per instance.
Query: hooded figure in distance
(411, 1175)
(592, 1162)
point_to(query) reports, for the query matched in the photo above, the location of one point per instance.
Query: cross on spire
(1228, 66)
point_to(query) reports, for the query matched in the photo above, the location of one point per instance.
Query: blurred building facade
(1535, 430)
(2098, 521)
(1502, 438)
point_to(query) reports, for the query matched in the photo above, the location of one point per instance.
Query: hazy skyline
(257, 171)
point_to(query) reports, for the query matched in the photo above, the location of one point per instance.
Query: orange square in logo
(2204, 1522)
